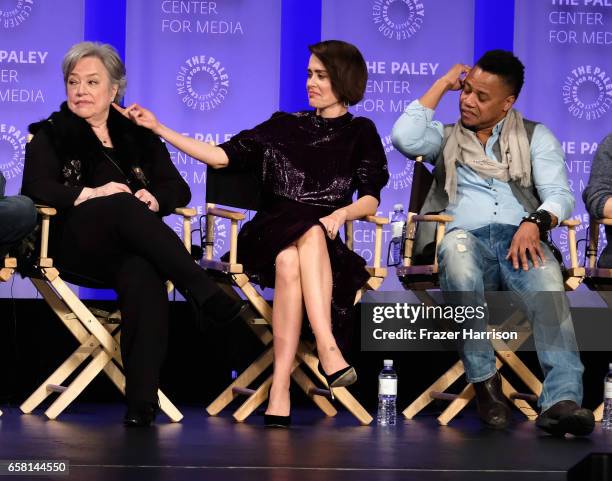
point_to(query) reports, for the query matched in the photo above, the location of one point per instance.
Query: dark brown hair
(346, 68)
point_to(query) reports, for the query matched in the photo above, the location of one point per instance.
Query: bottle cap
(398, 207)
(388, 362)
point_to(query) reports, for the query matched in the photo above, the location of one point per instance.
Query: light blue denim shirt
(480, 201)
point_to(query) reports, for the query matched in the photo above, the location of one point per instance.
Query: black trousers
(119, 241)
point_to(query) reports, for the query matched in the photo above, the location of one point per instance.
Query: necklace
(101, 132)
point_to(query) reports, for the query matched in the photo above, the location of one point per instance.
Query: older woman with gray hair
(112, 182)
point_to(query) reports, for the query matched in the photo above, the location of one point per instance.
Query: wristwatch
(541, 218)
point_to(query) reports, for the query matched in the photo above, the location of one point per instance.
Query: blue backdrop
(212, 68)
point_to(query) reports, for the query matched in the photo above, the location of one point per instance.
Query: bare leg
(316, 279)
(286, 326)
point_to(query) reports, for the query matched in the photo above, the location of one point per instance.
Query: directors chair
(420, 274)
(241, 190)
(597, 278)
(97, 331)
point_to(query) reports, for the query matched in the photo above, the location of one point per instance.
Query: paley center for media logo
(12, 151)
(14, 12)
(400, 170)
(398, 19)
(202, 83)
(587, 92)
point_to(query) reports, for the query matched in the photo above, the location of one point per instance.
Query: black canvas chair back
(421, 183)
(239, 188)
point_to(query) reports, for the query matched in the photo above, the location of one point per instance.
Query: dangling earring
(346, 104)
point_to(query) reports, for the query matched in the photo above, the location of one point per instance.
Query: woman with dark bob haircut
(112, 182)
(313, 162)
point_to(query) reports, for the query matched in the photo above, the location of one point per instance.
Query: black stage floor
(98, 447)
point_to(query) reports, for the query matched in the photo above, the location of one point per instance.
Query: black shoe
(273, 421)
(493, 408)
(220, 310)
(566, 417)
(140, 414)
(343, 377)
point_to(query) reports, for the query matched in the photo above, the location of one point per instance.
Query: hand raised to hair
(455, 76)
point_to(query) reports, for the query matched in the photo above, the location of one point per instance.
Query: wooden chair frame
(7, 269)
(593, 273)
(97, 331)
(426, 277)
(261, 327)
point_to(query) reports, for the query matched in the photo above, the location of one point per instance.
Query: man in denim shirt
(503, 180)
(17, 218)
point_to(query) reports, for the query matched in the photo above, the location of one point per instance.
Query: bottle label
(608, 390)
(397, 228)
(387, 387)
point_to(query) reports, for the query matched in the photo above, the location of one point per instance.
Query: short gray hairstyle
(107, 55)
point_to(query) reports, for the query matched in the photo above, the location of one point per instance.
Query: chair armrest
(46, 210)
(374, 219)
(379, 222)
(225, 213)
(570, 223)
(594, 238)
(431, 218)
(234, 217)
(441, 219)
(603, 220)
(186, 212)
(7, 268)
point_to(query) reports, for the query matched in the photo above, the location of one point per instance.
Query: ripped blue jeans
(472, 262)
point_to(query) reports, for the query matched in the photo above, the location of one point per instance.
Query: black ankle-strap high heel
(343, 377)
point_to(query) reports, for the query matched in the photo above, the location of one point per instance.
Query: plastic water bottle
(606, 422)
(387, 395)
(398, 223)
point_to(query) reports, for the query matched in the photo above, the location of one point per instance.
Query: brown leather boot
(493, 408)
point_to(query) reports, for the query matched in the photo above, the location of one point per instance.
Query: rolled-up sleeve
(599, 188)
(550, 174)
(415, 133)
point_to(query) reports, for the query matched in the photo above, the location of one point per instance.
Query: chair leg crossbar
(98, 333)
(305, 356)
(505, 355)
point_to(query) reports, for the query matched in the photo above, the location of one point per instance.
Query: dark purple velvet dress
(310, 166)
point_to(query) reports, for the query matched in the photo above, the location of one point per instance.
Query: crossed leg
(303, 272)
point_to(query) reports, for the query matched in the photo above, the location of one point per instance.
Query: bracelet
(542, 219)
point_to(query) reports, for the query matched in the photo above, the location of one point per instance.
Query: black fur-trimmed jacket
(64, 156)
